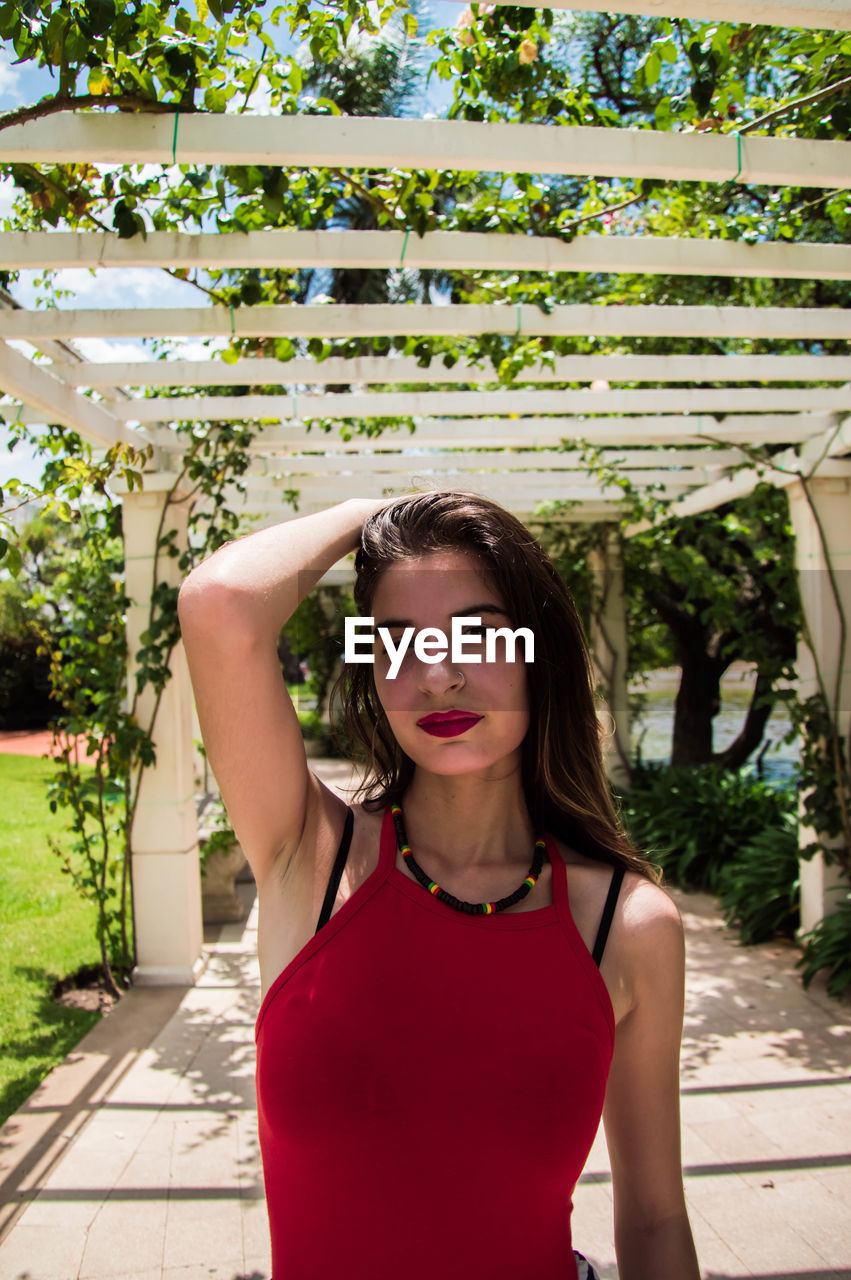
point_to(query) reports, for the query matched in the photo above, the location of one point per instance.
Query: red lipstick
(448, 724)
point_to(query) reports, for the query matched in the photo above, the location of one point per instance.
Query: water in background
(651, 734)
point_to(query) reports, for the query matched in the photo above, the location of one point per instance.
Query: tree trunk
(698, 700)
(699, 696)
(734, 756)
(289, 661)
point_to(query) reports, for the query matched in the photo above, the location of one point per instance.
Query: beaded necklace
(469, 908)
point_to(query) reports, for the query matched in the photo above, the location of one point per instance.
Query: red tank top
(429, 1085)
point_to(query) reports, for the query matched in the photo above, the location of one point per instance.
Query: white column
(166, 878)
(821, 883)
(609, 652)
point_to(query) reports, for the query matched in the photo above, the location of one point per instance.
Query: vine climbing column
(821, 515)
(164, 838)
(608, 649)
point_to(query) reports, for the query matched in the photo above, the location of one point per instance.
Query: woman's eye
(381, 650)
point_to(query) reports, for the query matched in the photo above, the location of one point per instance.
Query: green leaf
(99, 15)
(99, 82)
(13, 560)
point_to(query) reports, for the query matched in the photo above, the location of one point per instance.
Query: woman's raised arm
(231, 610)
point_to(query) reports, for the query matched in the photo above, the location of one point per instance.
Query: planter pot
(220, 902)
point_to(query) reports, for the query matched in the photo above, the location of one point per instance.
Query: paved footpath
(137, 1159)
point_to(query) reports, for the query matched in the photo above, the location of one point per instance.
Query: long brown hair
(563, 778)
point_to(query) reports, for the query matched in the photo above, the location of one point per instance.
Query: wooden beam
(351, 142)
(444, 250)
(786, 428)
(389, 319)
(327, 492)
(835, 442)
(821, 456)
(263, 516)
(829, 15)
(50, 400)
(290, 473)
(513, 462)
(415, 404)
(266, 371)
(781, 474)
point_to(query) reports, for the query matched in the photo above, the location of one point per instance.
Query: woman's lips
(448, 726)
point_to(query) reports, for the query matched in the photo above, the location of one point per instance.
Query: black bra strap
(608, 915)
(337, 870)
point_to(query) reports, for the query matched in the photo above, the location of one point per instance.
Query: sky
(136, 286)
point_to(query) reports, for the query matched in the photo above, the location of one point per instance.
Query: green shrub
(315, 729)
(694, 819)
(759, 887)
(828, 946)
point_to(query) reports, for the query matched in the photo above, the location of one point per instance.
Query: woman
(436, 1041)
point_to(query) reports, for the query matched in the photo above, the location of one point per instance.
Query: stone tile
(205, 1271)
(110, 1131)
(709, 1067)
(715, 1256)
(738, 1141)
(817, 1218)
(25, 1132)
(161, 1133)
(696, 1152)
(33, 1253)
(154, 1273)
(127, 1235)
(49, 1209)
(837, 1182)
(145, 1085)
(248, 1146)
(257, 1267)
(757, 1227)
(146, 1171)
(592, 1223)
(816, 1098)
(82, 1170)
(203, 1228)
(255, 1228)
(704, 1108)
(801, 1132)
(215, 1129)
(598, 1156)
(193, 1090)
(206, 1154)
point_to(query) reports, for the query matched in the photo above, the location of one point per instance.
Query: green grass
(46, 933)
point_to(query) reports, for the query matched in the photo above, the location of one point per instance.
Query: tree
(704, 592)
(723, 585)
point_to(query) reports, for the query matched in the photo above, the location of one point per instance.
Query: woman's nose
(440, 675)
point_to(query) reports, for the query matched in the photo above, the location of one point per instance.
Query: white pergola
(509, 443)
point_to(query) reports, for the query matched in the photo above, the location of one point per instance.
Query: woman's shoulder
(646, 925)
(648, 901)
(651, 924)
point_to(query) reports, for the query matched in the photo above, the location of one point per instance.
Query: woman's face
(429, 592)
